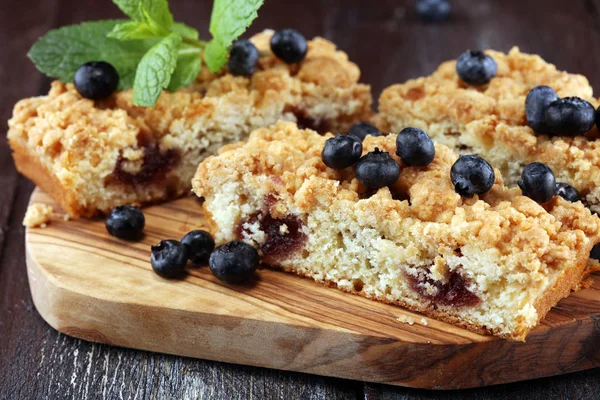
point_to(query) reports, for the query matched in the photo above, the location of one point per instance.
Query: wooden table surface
(390, 44)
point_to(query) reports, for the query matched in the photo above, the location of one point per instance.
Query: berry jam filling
(155, 166)
(454, 293)
(284, 235)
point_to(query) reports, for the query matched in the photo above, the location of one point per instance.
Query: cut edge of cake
(275, 193)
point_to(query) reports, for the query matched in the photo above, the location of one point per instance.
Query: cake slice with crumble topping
(494, 263)
(92, 156)
(490, 119)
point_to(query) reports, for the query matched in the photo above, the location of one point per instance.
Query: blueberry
(570, 116)
(537, 182)
(169, 258)
(243, 58)
(377, 169)
(537, 102)
(96, 80)
(472, 175)
(362, 129)
(433, 10)
(595, 253)
(341, 151)
(199, 244)
(289, 46)
(414, 147)
(475, 67)
(567, 192)
(125, 222)
(234, 262)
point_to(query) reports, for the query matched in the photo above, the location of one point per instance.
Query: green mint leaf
(60, 52)
(215, 55)
(157, 10)
(154, 71)
(132, 31)
(186, 31)
(231, 18)
(188, 67)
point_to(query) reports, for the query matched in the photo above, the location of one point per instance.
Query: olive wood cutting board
(92, 286)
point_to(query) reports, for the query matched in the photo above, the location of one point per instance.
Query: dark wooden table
(391, 45)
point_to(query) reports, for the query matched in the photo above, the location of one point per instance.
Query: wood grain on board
(92, 286)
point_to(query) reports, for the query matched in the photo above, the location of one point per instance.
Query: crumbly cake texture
(490, 120)
(494, 263)
(91, 157)
(38, 215)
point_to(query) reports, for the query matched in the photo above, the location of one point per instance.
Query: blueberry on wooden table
(475, 67)
(433, 10)
(537, 182)
(96, 80)
(570, 116)
(536, 103)
(168, 258)
(341, 151)
(414, 147)
(289, 46)
(363, 129)
(567, 192)
(125, 222)
(234, 262)
(199, 245)
(377, 169)
(243, 58)
(472, 175)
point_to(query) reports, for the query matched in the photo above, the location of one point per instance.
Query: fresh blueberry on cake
(243, 58)
(289, 46)
(414, 147)
(494, 262)
(341, 151)
(92, 155)
(472, 175)
(536, 103)
(567, 192)
(96, 80)
(537, 182)
(475, 67)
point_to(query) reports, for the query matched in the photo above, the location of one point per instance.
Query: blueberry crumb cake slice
(513, 109)
(92, 156)
(490, 260)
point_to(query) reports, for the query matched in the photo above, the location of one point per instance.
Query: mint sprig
(150, 51)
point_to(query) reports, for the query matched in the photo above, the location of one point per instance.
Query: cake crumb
(38, 215)
(405, 319)
(424, 322)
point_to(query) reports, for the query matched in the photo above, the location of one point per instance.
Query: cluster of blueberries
(548, 114)
(470, 174)
(233, 262)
